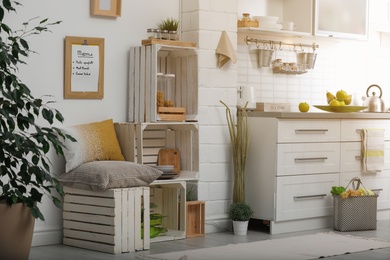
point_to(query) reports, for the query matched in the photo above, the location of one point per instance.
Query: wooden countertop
(319, 115)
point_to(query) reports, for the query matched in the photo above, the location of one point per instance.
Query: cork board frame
(84, 68)
(109, 8)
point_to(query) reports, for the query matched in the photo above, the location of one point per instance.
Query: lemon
(334, 103)
(304, 107)
(341, 95)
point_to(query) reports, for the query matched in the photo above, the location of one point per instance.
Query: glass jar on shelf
(160, 89)
(169, 93)
(164, 35)
(157, 33)
(150, 33)
(173, 36)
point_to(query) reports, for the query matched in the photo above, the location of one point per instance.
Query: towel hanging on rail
(225, 50)
(372, 149)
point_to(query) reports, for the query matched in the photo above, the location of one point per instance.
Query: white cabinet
(380, 15)
(336, 18)
(298, 11)
(294, 162)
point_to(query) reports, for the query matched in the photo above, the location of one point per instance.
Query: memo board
(84, 68)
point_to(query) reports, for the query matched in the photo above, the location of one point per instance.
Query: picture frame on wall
(336, 18)
(108, 8)
(84, 68)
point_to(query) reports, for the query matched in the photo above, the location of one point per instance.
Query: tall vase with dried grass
(239, 136)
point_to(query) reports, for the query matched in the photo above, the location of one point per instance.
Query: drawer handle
(310, 130)
(358, 157)
(309, 196)
(310, 159)
(377, 190)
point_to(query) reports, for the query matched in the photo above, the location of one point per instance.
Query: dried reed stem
(239, 136)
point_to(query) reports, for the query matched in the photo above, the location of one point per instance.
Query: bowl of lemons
(340, 103)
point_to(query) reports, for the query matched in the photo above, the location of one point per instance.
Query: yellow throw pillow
(95, 142)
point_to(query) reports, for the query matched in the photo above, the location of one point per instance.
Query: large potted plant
(240, 213)
(239, 137)
(27, 135)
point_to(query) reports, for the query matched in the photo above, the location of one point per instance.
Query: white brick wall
(204, 20)
(341, 64)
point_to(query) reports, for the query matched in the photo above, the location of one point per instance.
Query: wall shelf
(269, 32)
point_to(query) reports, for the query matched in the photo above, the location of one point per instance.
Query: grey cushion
(103, 175)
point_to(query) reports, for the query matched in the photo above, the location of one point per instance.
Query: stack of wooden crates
(147, 130)
(111, 221)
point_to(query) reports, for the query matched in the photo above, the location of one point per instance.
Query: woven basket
(355, 213)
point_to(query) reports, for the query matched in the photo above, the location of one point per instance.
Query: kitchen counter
(319, 115)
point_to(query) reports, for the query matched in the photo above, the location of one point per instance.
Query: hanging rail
(314, 46)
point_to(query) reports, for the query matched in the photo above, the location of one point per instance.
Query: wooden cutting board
(169, 157)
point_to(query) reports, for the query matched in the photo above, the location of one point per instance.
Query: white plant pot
(240, 228)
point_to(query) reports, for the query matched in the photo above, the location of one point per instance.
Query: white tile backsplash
(340, 65)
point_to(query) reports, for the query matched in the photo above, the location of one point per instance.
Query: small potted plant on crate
(240, 213)
(169, 28)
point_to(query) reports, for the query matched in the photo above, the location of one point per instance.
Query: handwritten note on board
(105, 5)
(85, 68)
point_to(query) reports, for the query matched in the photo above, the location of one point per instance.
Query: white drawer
(308, 158)
(351, 156)
(350, 128)
(308, 196)
(377, 182)
(295, 131)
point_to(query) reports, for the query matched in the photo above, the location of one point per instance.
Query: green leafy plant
(240, 211)
(239, 137)
(25, 143)
(337, 190)
(190, 194)
(169, 24)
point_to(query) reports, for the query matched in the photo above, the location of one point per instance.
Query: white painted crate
(108, 221)
(141, 142)
(170, 198)
(145, 63)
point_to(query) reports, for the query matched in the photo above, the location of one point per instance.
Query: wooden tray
(168, 42)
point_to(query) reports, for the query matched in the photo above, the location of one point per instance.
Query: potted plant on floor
(27, 135)
(240, 213)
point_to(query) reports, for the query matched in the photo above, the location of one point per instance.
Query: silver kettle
(374, 103)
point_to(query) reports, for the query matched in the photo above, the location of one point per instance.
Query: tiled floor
(210, 240)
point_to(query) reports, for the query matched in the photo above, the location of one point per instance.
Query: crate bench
(108, 221)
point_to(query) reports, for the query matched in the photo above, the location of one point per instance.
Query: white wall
(44, 73)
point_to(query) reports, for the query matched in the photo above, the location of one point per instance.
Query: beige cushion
(95, 141)
(102, 175)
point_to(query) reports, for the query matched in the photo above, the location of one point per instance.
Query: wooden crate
(195, 218)
(141, 142)
(145, 63)
(168, 196)
(171, 113)
(108, 221)
(168, 42)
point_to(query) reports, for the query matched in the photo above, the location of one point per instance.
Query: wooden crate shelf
(141, 142)
(195, 218)
(169, 42)
(145, 63)
(168, 196)
(108, 221)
